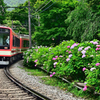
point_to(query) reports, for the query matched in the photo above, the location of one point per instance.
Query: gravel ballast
(35, 83)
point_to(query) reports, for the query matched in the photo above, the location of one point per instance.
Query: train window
(25, 43)
(4, 39)
(13, 41)
(4, 30)
(16, 41)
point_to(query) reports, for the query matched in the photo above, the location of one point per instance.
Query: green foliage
(2, 11)
(82, 24)
(19, 16)
(94, 4)
(52, 26)
(66, 60)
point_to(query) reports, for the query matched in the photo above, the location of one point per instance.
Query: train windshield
(4, 39)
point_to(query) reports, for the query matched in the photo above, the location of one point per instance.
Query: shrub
(77, 61)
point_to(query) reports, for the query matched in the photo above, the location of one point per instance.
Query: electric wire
(41, 5)
(48, 7)
(45, 8)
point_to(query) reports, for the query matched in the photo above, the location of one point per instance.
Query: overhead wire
(49, 6)
(45, 8)
(41, 5)
(37, 9)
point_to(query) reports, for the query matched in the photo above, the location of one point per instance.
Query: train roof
(20, 35)
(24, 36)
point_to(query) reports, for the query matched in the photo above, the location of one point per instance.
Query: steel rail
(22, 86)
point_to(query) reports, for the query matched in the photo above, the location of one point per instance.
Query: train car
(12, 45)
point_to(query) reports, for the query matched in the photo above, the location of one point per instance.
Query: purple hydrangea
(70, 55)
(83, 52)
(80, 48)
(84, 69)
(54, 63)
(92, 69)
(74, 45)
(97, 64)
(83, 56)
(67, 59)
(97, 49)
(87, 48)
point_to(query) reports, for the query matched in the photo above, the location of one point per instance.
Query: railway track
(12, 89)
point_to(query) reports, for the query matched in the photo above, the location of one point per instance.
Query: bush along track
(76, 62)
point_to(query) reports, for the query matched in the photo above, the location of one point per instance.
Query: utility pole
(12, 24)
(29, 19)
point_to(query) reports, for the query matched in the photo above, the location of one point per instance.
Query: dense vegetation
(78, 62)
(76, 21)
(2, 12)
(64, 20)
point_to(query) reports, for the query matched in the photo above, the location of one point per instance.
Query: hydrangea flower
(94, 42)
(54, 63)
(35, 65)
(85, 88)
(60, 56)
(97, 49)
(69, 52)
(92, 69)
(84, 69)
(80, 48)
(70, 55)
(36, 60)
(98, 46)
(85, 83)
(74, 45)
(83, 56)
(83, 52)
(87, 48)
(68, 46)
(97, 64)
(67, 59)
(91, 41)
(54, 58)
(53, 73)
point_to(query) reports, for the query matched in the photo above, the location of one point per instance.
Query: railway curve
(15, 90)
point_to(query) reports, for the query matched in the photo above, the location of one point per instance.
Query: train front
(5, 52)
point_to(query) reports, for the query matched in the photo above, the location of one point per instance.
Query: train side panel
(14, 48)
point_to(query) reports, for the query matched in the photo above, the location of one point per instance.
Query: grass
(61, 85)
(35, 72)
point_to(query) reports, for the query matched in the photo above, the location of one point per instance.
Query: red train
(12, 45)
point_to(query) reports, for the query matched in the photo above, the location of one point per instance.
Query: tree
(2, 11)
(94, 4)
(52, 27)
(83, 24)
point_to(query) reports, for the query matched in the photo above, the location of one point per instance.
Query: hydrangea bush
(75, 61)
